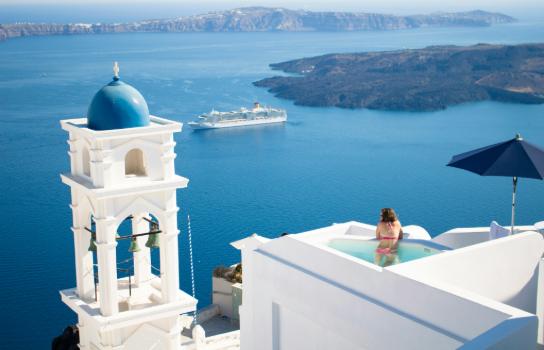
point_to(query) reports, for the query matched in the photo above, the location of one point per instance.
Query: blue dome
(117, 106)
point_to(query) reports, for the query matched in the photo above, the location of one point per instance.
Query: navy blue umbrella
(514, 158)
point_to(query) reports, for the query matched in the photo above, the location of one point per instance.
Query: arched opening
(138, 260)
(135, 163)
(86, 162)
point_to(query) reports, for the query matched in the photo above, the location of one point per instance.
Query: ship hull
(233, 124)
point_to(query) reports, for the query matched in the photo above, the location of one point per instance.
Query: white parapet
(302, 294)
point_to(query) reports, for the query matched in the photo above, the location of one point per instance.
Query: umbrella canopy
(514, 158)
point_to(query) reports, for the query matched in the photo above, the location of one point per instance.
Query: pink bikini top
(390, 227)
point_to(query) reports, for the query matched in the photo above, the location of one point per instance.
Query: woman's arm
(378, 231)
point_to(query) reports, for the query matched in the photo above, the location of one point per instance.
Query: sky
(124, 10)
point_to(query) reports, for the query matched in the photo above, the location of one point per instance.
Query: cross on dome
(115, 70)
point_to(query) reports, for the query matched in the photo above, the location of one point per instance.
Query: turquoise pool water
(366, 250)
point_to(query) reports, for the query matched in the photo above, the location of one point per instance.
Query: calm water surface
(325, 165)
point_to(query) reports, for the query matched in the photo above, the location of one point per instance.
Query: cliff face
(3, 34)
(415, 80)
(260, 19)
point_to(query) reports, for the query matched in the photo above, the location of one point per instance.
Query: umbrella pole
(515, 183)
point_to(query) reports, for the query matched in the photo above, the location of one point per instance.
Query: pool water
(366, 250)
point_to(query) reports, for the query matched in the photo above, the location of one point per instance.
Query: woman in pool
(388, 232)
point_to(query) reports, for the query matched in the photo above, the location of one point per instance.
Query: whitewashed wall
(309, 297)
(464, 237)
(505, 270)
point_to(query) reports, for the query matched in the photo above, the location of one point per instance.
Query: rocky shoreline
(426, 79)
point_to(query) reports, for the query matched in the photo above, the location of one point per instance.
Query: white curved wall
(358, 302)
(505, 269)
(463, 237)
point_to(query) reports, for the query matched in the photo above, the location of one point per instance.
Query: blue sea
(325, 165)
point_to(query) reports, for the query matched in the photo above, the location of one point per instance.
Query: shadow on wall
(525, 299)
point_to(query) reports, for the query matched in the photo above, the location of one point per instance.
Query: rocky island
(261, 19)
(414, 80)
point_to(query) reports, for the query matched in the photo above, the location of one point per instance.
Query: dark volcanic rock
(261, 19)
(68, 340)
(414, 80)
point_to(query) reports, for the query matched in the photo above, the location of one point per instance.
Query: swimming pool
(365, 249)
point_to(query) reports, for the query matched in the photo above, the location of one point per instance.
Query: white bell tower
(122, 168)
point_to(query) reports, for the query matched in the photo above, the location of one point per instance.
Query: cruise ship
(256, 116)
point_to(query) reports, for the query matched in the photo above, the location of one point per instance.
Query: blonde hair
(388, 215)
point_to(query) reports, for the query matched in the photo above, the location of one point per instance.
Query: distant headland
(263, 19)
(414, 80)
